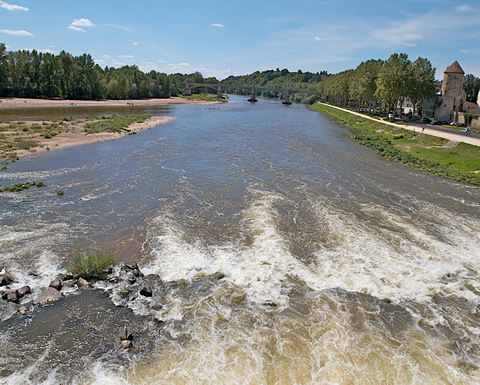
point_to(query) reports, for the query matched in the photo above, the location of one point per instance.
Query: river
(279, 252)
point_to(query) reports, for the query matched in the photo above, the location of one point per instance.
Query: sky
(230, 37)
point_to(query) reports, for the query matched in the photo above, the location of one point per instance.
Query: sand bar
(75, 134)
(15, 103)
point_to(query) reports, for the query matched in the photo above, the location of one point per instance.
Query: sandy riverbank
(76, 136)
(19, 103)
(73, 133)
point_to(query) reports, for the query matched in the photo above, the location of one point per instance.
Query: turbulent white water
(278, 251)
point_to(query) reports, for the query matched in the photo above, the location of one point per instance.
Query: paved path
(427, 130)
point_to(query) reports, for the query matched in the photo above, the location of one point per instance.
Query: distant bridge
(220, 88)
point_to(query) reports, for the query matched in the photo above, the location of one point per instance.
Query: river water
(278, 250)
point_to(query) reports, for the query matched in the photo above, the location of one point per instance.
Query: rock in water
(126, 335)
(146, 291)
(48, 296)
(6, 279)
(132, 266)
(24, 291)
(11, 296)
(22, 310)
(83, 283)
(127, 344)
(56, 284)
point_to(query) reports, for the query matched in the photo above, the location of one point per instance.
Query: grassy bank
(114, 123)
(424, 153)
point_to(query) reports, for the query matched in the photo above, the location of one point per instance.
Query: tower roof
(454, 68)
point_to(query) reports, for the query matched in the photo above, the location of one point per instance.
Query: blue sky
(226, 37)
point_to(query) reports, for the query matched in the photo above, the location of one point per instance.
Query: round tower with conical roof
(453, 96)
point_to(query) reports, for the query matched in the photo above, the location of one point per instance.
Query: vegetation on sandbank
(27, 135)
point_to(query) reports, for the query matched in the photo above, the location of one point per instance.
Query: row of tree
(376, 81)
(43, 75)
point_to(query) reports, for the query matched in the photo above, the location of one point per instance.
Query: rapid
(279, 251)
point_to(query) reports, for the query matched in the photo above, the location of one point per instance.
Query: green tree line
(43, 75)
(388, 82)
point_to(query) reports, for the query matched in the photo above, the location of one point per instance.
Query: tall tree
(395, 79)
(471, 85)
(423, 82)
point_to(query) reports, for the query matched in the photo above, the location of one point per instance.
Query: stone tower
(453, 96)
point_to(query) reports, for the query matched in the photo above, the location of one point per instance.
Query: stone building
(452, 98)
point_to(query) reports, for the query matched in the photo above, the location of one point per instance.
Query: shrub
(90, 264)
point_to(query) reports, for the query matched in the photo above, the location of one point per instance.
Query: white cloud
(76, 28)
(463, 8)
(79, 24)
(82, 23)
(404, 34)
(127, 56)
(318, 38)
(12, 7)
(135, 43)
(217, 25)
(16, 33)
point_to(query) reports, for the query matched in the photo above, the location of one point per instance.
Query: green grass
(117, 124)
(23, 144)
(423, 153)
(90, 264)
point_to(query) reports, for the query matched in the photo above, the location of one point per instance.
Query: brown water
(279, 252)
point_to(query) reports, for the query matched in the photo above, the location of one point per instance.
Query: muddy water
(278, 251)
